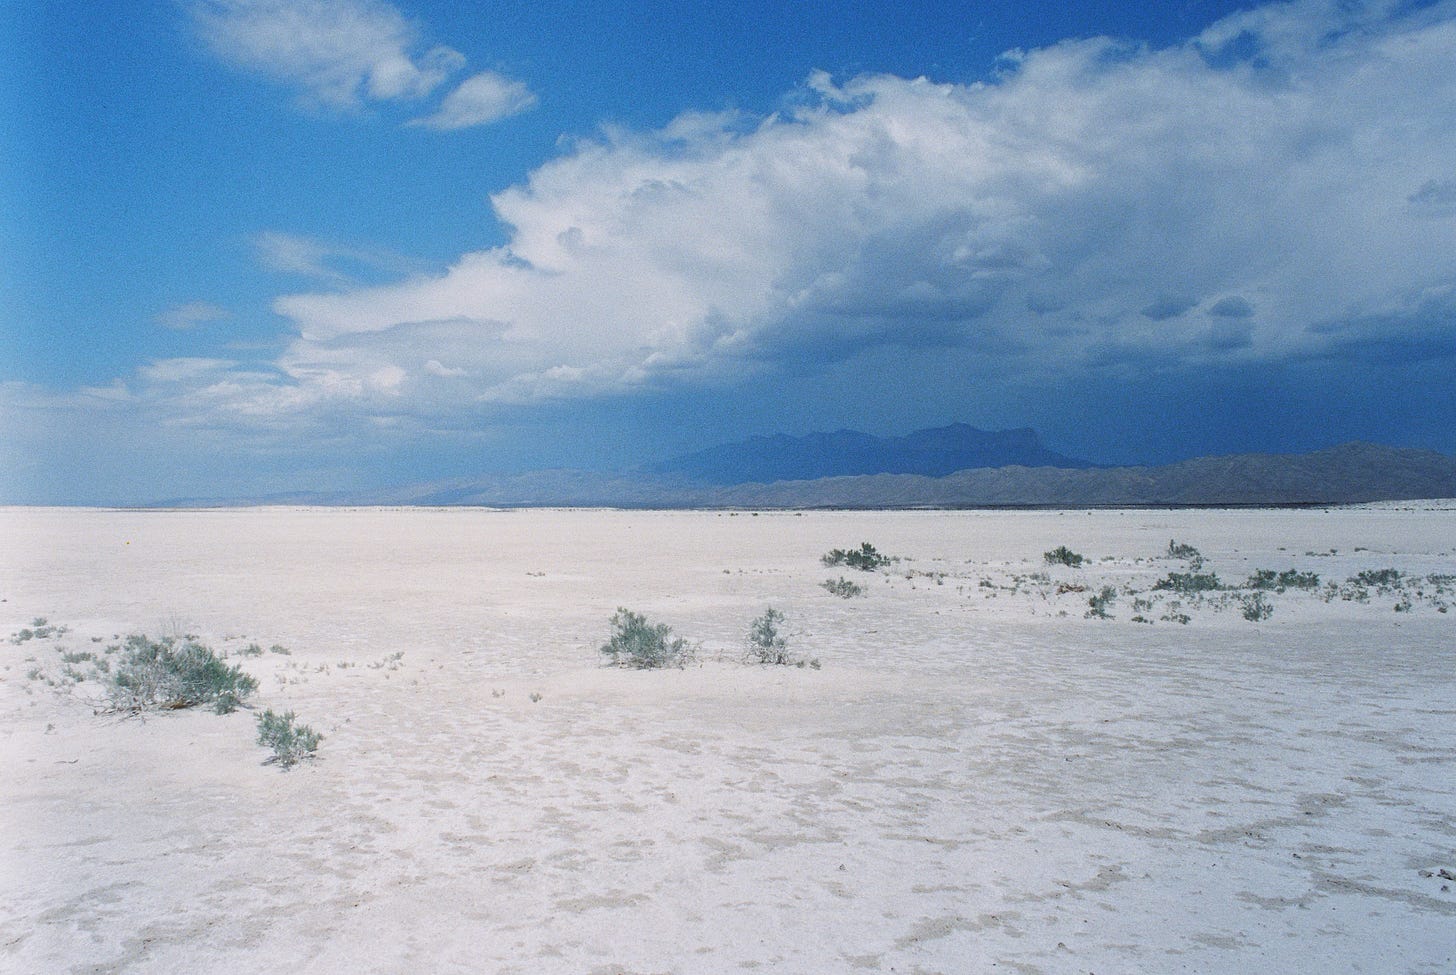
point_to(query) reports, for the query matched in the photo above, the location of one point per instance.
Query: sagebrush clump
(291, 743)
(169, 674)
(1191, 555)
(866, 558)
(1061, 555)
(640, 645)
(1256, 608)
(766, 645)
(1098, 605)
(842, 587)
(1189, 583)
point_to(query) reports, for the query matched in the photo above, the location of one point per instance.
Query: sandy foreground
(977, 777)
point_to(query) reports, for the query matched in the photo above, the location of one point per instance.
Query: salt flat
(978, 777)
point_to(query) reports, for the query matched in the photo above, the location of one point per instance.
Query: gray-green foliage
(1280, 581)
(1377, 578)
(168, 673)
(865, 558)
(1178, 550)
(1189, 583)
(1256, 608)
(638, 644)
(766, 644)
(1098, 605)
(1061, 555)
(842, 587)
(291, 742)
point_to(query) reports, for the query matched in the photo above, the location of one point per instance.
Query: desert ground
(970, 773)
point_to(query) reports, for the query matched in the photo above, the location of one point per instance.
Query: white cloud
(347, 53)
(1067, 218)
(480, 99)
(340, 52)
(192, 314)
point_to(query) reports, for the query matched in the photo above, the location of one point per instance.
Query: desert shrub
(290, 742)
(1377, 578)
(1189, 583)
(251, 650)
(169, 674)
(280, 649)
(1061, 555)
(1280, 581)
(865, 558)
(1179, 550)
(1257, 608)
(766, 645)
(842, 587)
(1098, 605)
(1266, 579)
(637, 644)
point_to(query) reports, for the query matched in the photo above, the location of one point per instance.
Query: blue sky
(266, 245)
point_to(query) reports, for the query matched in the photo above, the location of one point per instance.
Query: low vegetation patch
(1061, 555)
(640, 645)
(842, 587)
(767, 643)
(169, 674)
(291, 742)
(1189, 583)
(865, 558)
(1257, 608)
(1098, 605)
(1189, 554)
(1377, 578)
(1266, 579)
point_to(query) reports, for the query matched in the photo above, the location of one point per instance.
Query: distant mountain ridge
(934, 452)
(1347, 474)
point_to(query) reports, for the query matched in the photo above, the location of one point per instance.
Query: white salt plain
(971, 782)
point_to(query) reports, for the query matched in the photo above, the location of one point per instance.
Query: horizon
(288, 246)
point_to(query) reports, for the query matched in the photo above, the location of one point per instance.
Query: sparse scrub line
(637, 644)
(1205, 588)
(172, 673)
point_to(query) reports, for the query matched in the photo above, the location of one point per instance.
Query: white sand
(971, 783)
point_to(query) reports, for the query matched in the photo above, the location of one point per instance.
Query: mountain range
(955, 466)
(936, 452)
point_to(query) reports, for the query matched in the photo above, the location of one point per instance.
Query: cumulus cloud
(345, 54)
(1060, 220)
(480, 99)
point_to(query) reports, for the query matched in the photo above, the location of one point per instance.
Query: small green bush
(1178, 550)
(1098, 605)
(865, 558)
(766, 645)
(1189, 583)
(168, 674)
(842, 587)
(1377, 578)
(640, 645)
(291, 743)
(1256, 608)
(1266, 579)
(1061, 555)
